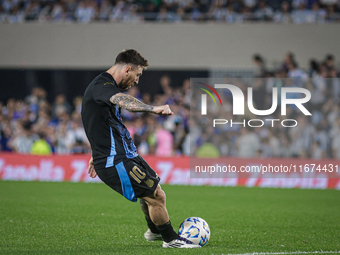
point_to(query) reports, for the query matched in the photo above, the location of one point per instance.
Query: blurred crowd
(35, 126)
(316, 136)
(229, 11)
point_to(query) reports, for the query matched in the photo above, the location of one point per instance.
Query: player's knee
(157, 198)
(160, 195)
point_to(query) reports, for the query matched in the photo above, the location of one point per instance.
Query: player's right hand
(91, 170)
(163, 110)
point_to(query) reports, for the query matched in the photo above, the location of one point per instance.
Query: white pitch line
(286, 253)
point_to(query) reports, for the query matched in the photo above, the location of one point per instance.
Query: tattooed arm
(134, 105)
(130, 103)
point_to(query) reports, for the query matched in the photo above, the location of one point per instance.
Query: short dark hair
(329, 57)
(295, 64)
(257, 57)
(131, 56)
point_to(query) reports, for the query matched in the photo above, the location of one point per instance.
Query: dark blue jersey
(109, 138)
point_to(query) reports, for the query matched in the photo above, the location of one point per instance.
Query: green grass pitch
(79, 218)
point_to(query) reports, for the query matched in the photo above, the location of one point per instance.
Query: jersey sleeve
(103, 91)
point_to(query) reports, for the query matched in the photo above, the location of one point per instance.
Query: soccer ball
(196, 230)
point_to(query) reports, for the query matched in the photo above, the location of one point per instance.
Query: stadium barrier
(172, 170)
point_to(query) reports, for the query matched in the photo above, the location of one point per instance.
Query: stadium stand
(59, 122)
(129, 11)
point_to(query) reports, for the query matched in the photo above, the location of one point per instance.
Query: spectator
(32, 11)
(140, 136)
(274, 144)
(250, 4)
(314, 68)
(5, 137)
(264, 12)
(105, 10)
(336, 147)
(22, 141)
(131, 16)
(218, 10)
(283, 16)
(37, 95)
(335, 85)
(118, 11)
(232, 16)
(76, 140)
(319, 91)
(41, 146)
(259, 90)
(9, 109)
(288, 60)
(164, 15)
(8, 5)
(71, 6)
(248, 143)
(16, 15)
(319, 14)
(85, 11)
(57, 12)
(59, 140)
(164, 142)
(208, 150)
(331, 15)
(329, 63)
(260, 65)
(180, 15)
(77, 102)
(296, 73)
(303, 15)
(61, 105)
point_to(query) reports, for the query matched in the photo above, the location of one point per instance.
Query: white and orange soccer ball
(196, 230)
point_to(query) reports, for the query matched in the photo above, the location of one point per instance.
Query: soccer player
(114, 155)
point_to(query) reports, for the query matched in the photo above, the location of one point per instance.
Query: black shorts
(132, 178)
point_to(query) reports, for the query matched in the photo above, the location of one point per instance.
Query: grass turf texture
(79, 218)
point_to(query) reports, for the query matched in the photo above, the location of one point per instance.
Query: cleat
(149, 236)
(180, 242)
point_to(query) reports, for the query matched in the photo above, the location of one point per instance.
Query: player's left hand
(91, 170)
